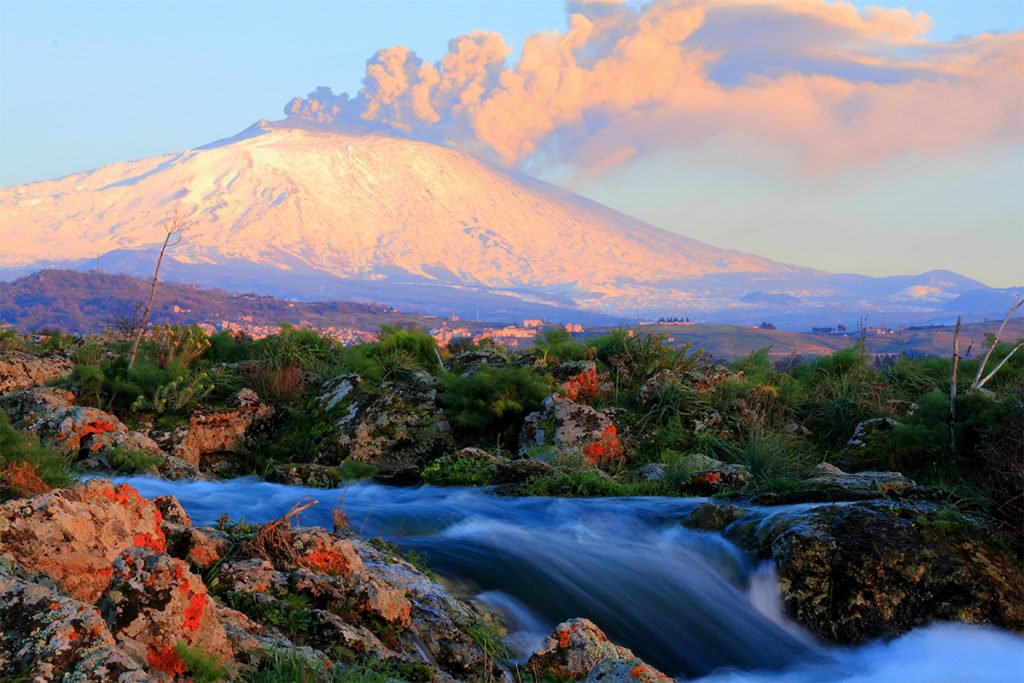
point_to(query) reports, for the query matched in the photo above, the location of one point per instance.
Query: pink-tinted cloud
(835, 84)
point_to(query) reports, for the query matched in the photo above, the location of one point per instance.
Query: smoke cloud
(834, 84)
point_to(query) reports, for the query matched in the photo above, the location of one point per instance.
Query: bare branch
(977, 383)
(952, 380)
(175, 227)
(1001, 364)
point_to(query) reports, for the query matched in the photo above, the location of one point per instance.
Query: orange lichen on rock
(155, 542)
(166, 660)
(328, 560)
(605, 450)
(194, 612)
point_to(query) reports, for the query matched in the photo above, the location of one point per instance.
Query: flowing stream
(688, 602)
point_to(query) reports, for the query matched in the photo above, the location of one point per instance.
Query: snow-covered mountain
(308, 213)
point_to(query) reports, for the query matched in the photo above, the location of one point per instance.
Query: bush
(488, 406)
(306, 349)
(452, 470)
(399, 351)
(768, 455)
(203, 667)
(89, 378)
(635, 358)
(226, 347)
(557, 344)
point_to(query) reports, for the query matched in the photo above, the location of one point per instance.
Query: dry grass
(273, 542)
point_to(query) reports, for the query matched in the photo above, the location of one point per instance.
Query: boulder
(521, 470)
(47, 636)
(212, 433)
(20, 370)
(81, 432)
(651, 472)
(570, 426)
(395, 426)
(714, 516)
(75, 534)
(437, 621)
(467, 363)
(858, 571)
(868, 448)
(707, 475)
(154, 602)
(830, 484)
(309, 474)
(578, 650)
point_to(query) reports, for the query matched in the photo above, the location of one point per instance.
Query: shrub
(204, 667)
(306, 349)
(490, 404)
(89, 378)
(177, 344)
(226, 347)
(768, 455)
(557, 344)
(635, 358)
(452, 470)
(397, 352)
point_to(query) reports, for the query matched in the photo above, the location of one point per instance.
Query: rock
(578, 650)
(47, 636)
(714, 516)
(255, 645)
(654, 471)
(467, 363)
(201, 548)
(868, 448)
(23, 371)
(211, 433)
(618, 670)
(836, 486)
(171, 510)
(395, 426)
(859, 571)
(75, 534)
(77, 431)
(707, 475)
(307, 474)
(437, 621)
(521, 470)
(153, 602)
(649, 390)
(571, 426)
(567, 370)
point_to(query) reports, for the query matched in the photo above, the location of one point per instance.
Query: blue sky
(83, 84)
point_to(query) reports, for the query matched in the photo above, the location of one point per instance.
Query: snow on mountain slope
(355, 207)
(317, 214)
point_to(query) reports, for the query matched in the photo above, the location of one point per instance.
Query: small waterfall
(688, 602)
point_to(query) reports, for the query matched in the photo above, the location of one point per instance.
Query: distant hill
(88, 302)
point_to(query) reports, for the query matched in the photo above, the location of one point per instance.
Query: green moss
(131, 461)
(451, 470)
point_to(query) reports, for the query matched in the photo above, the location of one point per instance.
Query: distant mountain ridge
(90, 302)
(326, 215)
